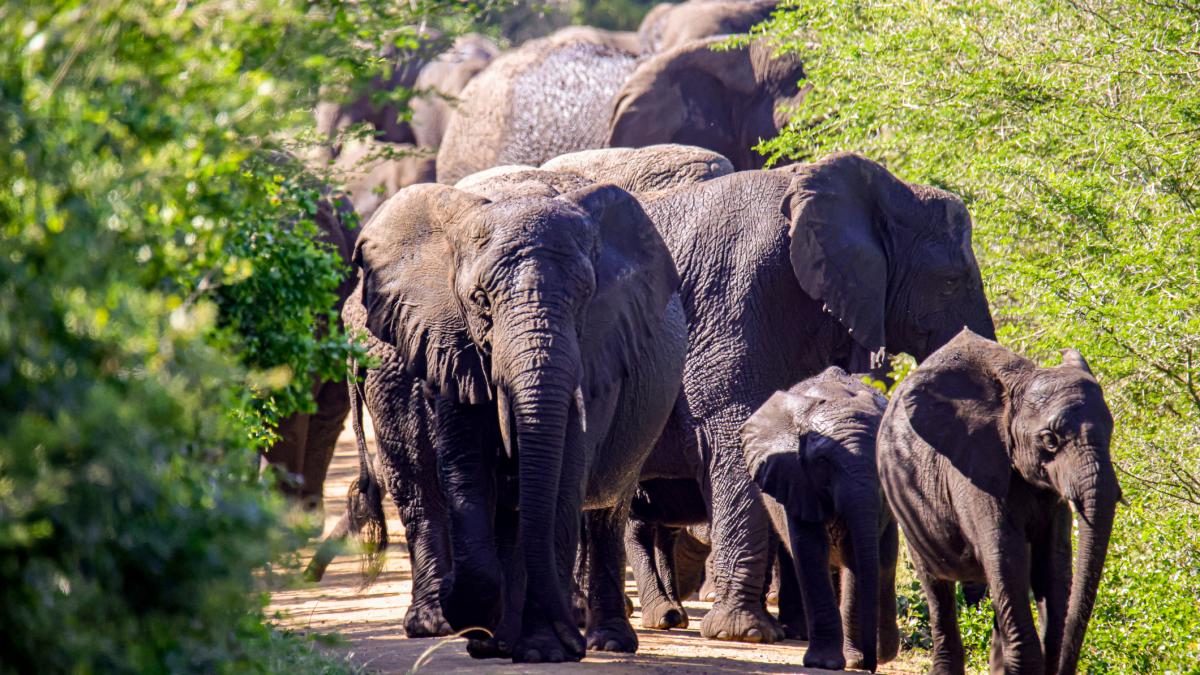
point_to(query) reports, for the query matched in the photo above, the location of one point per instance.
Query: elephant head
(670, 25)
(891, 261)
(726, 101)
(528, 304)
(812, 449)
(992, 413)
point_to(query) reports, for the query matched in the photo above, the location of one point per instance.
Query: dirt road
(371, 620)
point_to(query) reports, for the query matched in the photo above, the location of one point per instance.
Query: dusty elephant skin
(784, 273)
(669, 25)
(983, 456)
(811, 450)
(552, 97)
(547, 327)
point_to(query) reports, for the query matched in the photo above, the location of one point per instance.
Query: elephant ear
(635, 280)
(406, 263)
(957, 402)
(781, 454)
(684, 95)
(838, 209)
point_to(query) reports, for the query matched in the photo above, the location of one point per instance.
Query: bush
(1071, 129)
(158, 284)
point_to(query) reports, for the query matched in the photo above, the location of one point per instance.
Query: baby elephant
(811, 450)
(983, 456)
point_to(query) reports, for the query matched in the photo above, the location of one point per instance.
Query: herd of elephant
(605, 336)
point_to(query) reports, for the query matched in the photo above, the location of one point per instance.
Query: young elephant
(548, 328)
(811, 450)
(983, 456)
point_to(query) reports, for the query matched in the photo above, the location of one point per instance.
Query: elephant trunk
(1095, 498)
(539, 377)
(861, 616)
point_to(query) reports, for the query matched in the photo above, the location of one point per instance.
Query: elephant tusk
(505, 414)
(581, 408)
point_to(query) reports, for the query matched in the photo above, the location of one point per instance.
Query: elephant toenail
(723, 635)
(612, 646)
(556, 657)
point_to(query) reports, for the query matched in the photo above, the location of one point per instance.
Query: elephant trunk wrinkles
(1096, 496)
(863, 523)
(540, 376)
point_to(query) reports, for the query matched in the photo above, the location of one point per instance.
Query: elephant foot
(489, 648)
(777, 625)
(795, 630)
(614, 635)
(425, 620)
(579, 603)
(740, 624)
(662, 614)
(628, 606)
(471, 601)
(708, 590)
(547, 642)
(855, 661)
(824, 654)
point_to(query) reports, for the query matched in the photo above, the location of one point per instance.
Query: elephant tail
(364, 504)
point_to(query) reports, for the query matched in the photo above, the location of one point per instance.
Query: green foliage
(158, 284)
(612, 14)
(1071, 129)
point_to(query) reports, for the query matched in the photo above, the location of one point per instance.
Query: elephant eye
(480, 299)
(1049, 440)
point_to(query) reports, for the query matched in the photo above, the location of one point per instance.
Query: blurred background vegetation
(149, 238)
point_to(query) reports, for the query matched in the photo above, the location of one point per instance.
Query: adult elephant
(373, 171)
(831, 263)
(548, 98)
(669, 25)
(983, 457)
(545, 322)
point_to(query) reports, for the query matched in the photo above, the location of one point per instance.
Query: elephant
(548, 98)
(440, 82)
(831, 263)
(544, 324)
(372, 171)
(811, 451)
(307, 440)
(669, 25)
(667, 561)
(623, 41)
(983, 457)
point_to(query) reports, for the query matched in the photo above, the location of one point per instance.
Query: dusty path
(371, 620)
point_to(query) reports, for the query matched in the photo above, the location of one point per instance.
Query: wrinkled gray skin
(547, 328)
(307, 440)
(623, 41)
(440, 83)
(667, 25)
(787, 272)
(550, 97)
(983, 456)
(811, 451)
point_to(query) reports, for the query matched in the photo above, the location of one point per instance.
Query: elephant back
(542, 100)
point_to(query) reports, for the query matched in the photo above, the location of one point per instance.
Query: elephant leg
(1050, 579)
(1006, 564)
(508, 631)
(948, 655)
(640, 548)
(791, 601)
(579, 580)
(690, 557)
(286, 455)
(665, 538)
(889, 630)
(608, 626)
(470, 594)
(324, 427)
(740, 537)
(810, 552)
